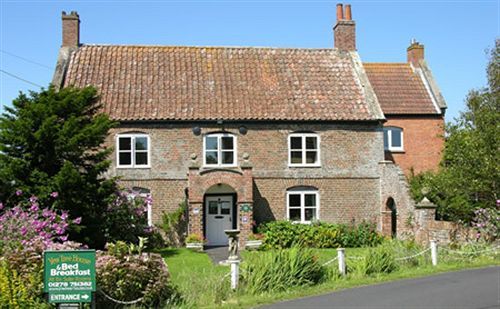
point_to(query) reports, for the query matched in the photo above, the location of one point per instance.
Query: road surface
(469, 289)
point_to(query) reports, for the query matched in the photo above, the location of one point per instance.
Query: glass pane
(225, 208)
(227, 157)
(396, 138)
(311, 142)
(227, 142)
(311, 157)
(294, 200)
(124, 143)
(212, 207)
(211, 143)
(296, 157)
(296, 142)
(310, 200)
(141, 158)
(386, 139)
(310, 214)
(141, 143)
(125, 158)
(211, 157)
(294, 214)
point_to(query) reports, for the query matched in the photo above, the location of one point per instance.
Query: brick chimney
(70, 29)
(415, 53)
(344, 31)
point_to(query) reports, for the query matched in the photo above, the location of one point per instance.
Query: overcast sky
(455, 33)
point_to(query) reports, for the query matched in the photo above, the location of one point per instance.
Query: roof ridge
(213, 47)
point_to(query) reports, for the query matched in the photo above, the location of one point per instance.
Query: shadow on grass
(168, 252)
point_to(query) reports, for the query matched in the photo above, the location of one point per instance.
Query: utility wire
(20, 78)
(25, 59)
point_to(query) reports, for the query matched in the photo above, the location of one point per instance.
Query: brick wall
(422, 141)
(349, 179)
(342, 200)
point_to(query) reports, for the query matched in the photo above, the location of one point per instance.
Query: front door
(219, 216)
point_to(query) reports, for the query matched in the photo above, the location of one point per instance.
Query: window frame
(389, 131)
(302, 206)
(304, 150)
(133, 151)
(220, 150)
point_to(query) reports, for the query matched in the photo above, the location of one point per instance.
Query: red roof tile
(204, 83)
(399, 89)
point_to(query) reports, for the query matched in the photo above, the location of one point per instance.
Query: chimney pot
(348, 15)
(340, 12)
(344, 31)
(70, 29)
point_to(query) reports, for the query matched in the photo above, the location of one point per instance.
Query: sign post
(69, 276)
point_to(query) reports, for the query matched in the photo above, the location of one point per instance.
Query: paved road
(470, 289)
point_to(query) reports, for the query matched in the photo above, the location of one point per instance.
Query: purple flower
(64, 215)
(63, 238)
(24, 230)
(54, 194)
(1, 206)
(19, 192)
(46, 212)
(33, 199)
(34, 207)
(77, 220)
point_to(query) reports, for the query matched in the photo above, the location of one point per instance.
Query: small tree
(52, 141)
(469, 175)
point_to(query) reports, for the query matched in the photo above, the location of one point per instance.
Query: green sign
(69, 276)
(245, 208)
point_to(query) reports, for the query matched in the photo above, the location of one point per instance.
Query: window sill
(133, 167)
(304, 165)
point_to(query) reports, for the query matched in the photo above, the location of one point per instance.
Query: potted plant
(194, 242)
(254, 241)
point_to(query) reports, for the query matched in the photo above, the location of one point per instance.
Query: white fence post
(235, 273)
(434, 253)
(341, 258)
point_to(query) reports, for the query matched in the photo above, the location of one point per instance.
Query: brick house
(244, 134)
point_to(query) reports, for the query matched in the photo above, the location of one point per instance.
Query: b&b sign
(69, 276)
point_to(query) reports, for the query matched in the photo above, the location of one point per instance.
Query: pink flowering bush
(126, 218)
(128, 277)
(487, 223)
(26, 230)
(29, 227)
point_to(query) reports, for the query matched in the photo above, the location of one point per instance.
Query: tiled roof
(399, 89)
(205, 83)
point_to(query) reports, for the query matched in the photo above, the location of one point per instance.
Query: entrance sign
(69, 276)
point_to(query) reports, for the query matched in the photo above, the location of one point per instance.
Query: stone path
(217, 253)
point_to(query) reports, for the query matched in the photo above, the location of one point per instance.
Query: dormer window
(303, 150)
(133, 151)
(393, 139)
(219, 150)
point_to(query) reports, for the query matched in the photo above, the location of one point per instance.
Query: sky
(456, 34)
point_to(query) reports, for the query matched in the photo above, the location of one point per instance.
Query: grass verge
(202, 285)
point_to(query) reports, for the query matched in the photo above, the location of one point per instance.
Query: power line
(20, 78)
(25, 59)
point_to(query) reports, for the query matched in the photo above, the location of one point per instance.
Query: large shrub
(128, 277)
(284, 234)
(279, 270)
(53, 140)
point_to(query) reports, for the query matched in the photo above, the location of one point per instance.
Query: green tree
(469, 174)
(52, 141)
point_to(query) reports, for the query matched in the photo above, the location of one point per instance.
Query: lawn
(204, 286)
